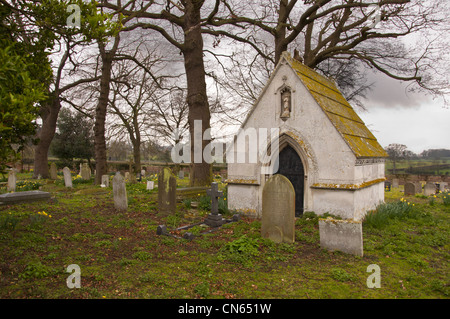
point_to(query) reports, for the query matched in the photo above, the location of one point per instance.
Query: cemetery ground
(121, 256)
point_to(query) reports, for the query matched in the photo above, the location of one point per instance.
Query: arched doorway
(291, 166)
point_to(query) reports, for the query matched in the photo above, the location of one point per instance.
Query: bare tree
(330, 35)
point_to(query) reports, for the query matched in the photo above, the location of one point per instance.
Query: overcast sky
(396, 116)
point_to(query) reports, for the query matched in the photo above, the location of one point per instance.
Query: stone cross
(120, 192)
(214, 219)
(214, 193)
(67, 177)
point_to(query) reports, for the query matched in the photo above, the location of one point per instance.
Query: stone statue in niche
(285, 104)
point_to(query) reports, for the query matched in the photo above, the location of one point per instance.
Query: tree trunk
(197, 98)
(49, 115)
(100, 118)
(281, 44)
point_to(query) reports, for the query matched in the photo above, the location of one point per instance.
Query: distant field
(439, 166)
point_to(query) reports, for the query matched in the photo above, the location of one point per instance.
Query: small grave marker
(167, 187)
(119, 192)
(67, 177)
(410, 189)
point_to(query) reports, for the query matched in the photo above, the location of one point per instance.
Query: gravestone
(143, 172)
(119, 192)
(53, 171)
(181, 174)
(167, 188)
(418, 187)
(22, 197)
(395, 183)
(442, 186)
(278, 210)
(127, 175)
(214, 219)
(85, 171)
(410, 189)
(429, 189)
(105, 181)
(12, 178)
(150, 185)
(341, 235)
(67, 177)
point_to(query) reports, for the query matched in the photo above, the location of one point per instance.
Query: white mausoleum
(333, 161)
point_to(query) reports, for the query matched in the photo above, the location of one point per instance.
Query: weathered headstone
(429, 189)
(442, 186)
(418, 187)
(53, 171)
(214, 219)
(395, 183)
(67, 177)
(341, 235)
(278, 210)
(12, 178)
(167, 187)
(119, 192)
(127, 175)
(143, 172)
(410, 189)
(150, 185)
(105, 181)
(181, 174)
(85, 172)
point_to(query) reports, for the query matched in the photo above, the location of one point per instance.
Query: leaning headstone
(429, 189)
(12, 178)
(410, 189)
(67, 177)
(167, 187)
(105, 181)
(119, 192)
(150, 185)
(278, 210)
(395, 183)
(85, 172)
(53, 171)
(341, 235)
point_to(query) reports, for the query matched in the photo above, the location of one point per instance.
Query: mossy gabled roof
(353, 130)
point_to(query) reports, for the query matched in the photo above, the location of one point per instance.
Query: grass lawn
(120, 255)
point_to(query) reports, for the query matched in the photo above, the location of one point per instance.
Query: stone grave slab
(23, 197)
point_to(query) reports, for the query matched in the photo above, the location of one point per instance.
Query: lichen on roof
(341, 114)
